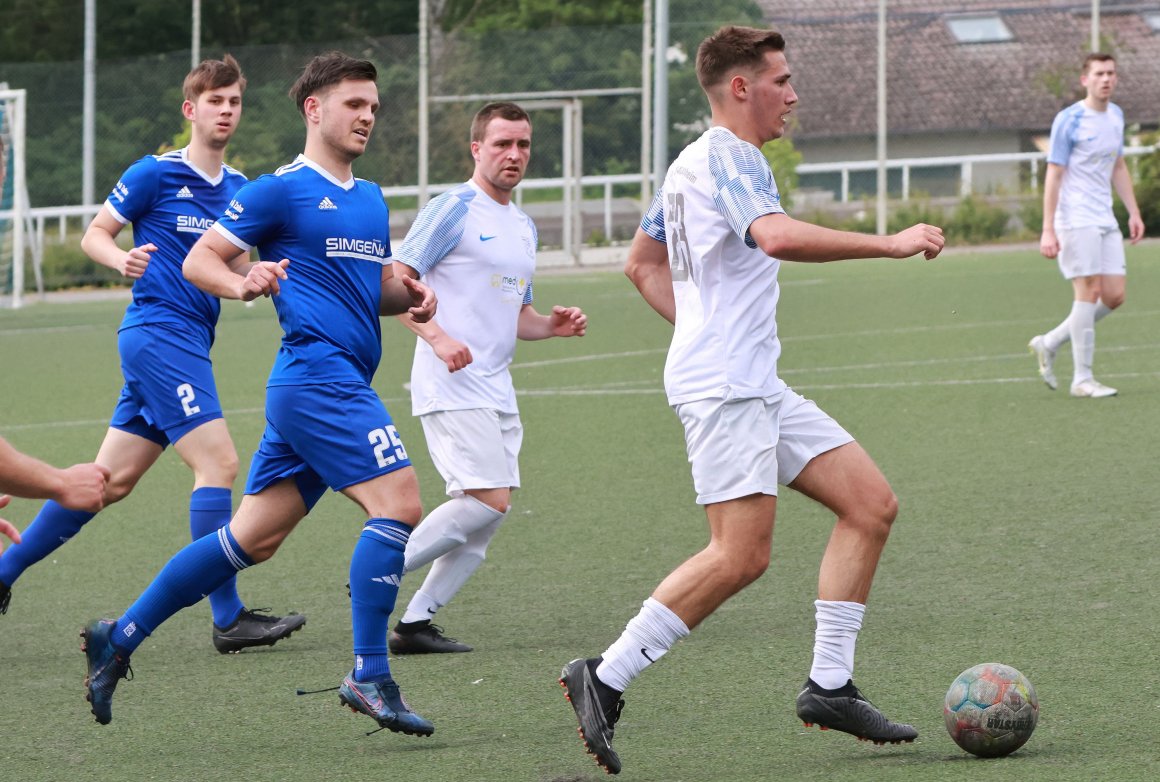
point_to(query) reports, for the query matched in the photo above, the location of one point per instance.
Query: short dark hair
(212, 75)
(502, 109)
(1095, 57)
(327, 70)
(734, 46)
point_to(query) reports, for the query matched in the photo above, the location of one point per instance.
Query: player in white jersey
(705, 258)
(1085, 163)
(477, 251)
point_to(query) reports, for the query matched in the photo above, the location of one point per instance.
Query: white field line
(49, 330)
(811, 387)
(655, 386)
(1021, 356)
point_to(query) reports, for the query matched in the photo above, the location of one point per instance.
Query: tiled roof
(937, 84)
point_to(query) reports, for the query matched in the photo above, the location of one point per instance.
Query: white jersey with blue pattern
(1087, 142)
(171, 203)
(337, 239)
(479, 257)
(725, 343)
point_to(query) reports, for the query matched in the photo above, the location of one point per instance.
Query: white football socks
(450, 572)
(834, 639)
(1061, 334)
(447, 527)
(1082, 326)
(646, 639)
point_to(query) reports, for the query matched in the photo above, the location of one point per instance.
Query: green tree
(53, 30)
(783, 160)
(482, 16)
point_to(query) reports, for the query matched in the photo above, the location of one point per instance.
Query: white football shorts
(1091, 251)
(475, 449)
(749, 446)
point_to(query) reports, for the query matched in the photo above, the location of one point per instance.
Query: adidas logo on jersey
(390, 579)
(326, 203)
(184, 193)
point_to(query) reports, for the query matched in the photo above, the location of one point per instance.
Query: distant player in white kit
(477, 251)
(706, 259)
(1084, 164)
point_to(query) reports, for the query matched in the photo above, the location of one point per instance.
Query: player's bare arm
(1048, 241)
(81, 487)
(7, 529)
(561, 322)
(450, 351)
(100, 244)
(406, 294)
(782, 237)
(648, 268)
(1122, 182)
(218, 267)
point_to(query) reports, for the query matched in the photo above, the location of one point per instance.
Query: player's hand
(1135, 229)
(1048, 244)
(263, 279)
(84, 487)
(6, 527)
(133, 263)
(568, 321)
(920, 238)
(452, 352)
(423, 303)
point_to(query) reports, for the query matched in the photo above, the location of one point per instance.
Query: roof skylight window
(979, 28)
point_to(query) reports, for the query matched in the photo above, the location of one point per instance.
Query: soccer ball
(991, 710)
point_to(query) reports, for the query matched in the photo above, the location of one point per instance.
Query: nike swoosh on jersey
(483, 238)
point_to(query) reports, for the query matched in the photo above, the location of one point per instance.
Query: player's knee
(222, 470)
(499, 500)
(407, 511)
(262, 550)
(880, 511)
(118, 487)
(1113, 300)
(747, 567)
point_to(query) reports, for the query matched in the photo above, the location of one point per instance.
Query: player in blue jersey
(1085, 163)
(325, 241)
(169, 394)
(478, 251)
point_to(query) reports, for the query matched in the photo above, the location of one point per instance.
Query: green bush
(67, 266)
(1031, 215)
(975, 221)
(783, 160)
(918, 210)
(1146, 185)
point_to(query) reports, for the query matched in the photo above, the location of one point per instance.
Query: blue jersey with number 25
(337, 239)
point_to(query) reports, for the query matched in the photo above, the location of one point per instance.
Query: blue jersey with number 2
(171, 204)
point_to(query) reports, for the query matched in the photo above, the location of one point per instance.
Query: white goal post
(14, 206)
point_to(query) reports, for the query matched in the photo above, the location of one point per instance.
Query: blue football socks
(50, 530)
(192, 573)
(376, 570)
(209, 511)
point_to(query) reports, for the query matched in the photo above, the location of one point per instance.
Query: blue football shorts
(169, 388)
(329, 435)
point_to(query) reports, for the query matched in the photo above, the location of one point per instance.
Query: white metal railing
(41, 217)
(965, 163)
(607, 181)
